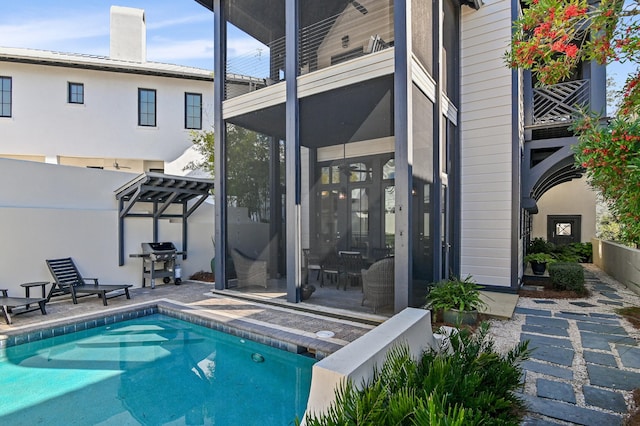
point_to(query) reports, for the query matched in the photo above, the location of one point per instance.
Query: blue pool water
(153, 370)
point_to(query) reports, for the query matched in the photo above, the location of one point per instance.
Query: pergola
(161, 191)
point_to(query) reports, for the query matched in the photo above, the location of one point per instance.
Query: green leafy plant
(584, 251)
(463, 295)
(540, 245)
(471, 385)
(540, 258)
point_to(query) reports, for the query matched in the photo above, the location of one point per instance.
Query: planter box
(619, 261)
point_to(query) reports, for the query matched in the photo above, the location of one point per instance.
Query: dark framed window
(75, 93)
(193, 111)
(146, 107)
(5, 96)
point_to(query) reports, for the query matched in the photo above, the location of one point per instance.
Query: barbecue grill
(159, 261)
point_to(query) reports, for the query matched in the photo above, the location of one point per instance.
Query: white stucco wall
(486, 144)
(569, 198)
(49, 211)
(106, 125)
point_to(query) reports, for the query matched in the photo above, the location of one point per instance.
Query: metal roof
(162, 191)
(96, 62)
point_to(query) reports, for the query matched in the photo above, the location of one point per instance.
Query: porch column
(294, 251)
(404, 154)
(220, 187)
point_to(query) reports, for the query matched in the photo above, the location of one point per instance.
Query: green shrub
(567, 276)
(454, 293)
(472, 385)
(583, 251)
(540, 245)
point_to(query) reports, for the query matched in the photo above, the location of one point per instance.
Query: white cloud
(49, 32)
(193, 19)
(171, 51)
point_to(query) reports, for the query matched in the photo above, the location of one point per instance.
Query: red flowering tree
(551, 38)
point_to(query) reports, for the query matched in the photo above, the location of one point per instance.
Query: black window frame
(187, 109)
(72, 97)
(147, 114)
(2, 91)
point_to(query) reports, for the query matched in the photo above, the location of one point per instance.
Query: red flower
(571, 50)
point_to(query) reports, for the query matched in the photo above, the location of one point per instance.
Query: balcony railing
(559, 104)
(338, 38)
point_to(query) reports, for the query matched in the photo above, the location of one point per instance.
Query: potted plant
(306, 291)
(458, 300)
(539, 262)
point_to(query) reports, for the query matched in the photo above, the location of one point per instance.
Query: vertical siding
(486, 140)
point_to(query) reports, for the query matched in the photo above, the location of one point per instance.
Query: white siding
(486, 133)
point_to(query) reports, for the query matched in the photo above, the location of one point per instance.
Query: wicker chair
(248, 270)
(377, 283)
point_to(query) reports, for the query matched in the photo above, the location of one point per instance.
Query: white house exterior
(101, 125)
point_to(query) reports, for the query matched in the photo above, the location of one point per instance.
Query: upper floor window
(5, 96)
(75, 93)
(146, 107)
(193, 111)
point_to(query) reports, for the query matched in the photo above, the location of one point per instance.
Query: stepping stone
(552, 331)
(548, 369)
(604, 287)
(610, 302)
(601, 328)
(570, 412)
(612, 377)
(600, 358)
(571, 315)
(630, 356)
(597, 315)
(611, 295)
(582, 304)
(544, 302)
(606, 399)
(529, 311)
(538, 341)
(555, 390)
(547, 322)
(588, 318)
(528, 421)
(560, 356)
(601, 341)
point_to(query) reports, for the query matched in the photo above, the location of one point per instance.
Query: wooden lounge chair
(8, 305)
(67, 280)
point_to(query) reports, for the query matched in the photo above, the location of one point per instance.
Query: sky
(178, 31)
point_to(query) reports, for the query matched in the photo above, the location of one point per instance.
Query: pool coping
(261, 332)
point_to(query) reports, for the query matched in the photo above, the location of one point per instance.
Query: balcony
(326, 41)
(557, 105)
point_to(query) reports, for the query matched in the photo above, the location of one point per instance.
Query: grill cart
(159, 261)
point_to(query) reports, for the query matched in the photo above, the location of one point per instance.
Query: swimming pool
(151, 370)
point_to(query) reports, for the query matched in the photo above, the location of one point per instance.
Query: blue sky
(178, 31)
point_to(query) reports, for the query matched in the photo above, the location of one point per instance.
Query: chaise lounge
(8, 304)
(67, 280)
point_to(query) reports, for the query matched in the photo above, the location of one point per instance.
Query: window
(75, 93)
(146, 107)
(5, 96)
(192, 111)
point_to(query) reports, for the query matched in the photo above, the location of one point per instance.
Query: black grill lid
(166, 246)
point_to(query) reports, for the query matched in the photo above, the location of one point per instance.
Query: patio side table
(27, 287)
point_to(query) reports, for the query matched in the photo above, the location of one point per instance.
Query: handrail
(559, 104)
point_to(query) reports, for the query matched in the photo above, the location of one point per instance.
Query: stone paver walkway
(585, 360)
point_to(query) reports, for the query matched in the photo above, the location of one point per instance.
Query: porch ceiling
(265, 22)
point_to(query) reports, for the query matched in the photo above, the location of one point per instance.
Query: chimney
(128, 34)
